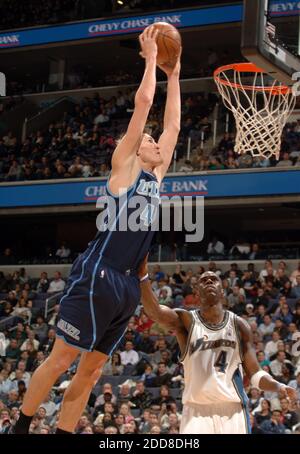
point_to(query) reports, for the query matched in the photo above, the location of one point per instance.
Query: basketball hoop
(260, 110)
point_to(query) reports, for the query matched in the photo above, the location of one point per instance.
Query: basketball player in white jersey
(215, 345)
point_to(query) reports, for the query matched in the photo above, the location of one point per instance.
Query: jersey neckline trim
(214, 327)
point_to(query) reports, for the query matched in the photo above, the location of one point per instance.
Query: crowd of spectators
(16, 14)
(82, 142)
(141, 386)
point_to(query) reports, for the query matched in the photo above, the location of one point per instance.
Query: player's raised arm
(259, 378)
(128, 146)
(171, 127)
(162, 314)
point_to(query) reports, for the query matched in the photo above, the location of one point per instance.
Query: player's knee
(89, 374)
(60, 365)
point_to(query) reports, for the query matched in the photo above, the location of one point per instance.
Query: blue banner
(217, 185)
(284, 8)
(118, 26)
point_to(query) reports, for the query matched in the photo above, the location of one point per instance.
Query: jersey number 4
(221, 361)
(148, 214)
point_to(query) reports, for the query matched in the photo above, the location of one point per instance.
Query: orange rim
(248, 68)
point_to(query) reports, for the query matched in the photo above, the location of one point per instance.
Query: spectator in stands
(276, 365)
(163, 398)
(63, 252)
(263, 412)
(281, 328)
(267, 327)
(53, 318)
(285, 162)
(215, 247)
(163, 377)
(7, 258)
(294, 274)
(57, 284)
(48, 343)
(126, 412)
(43, 284)
(260, 313)
(296, 316)
(144, 323)
(267, 271)
(295, 293)
(255, 252)
(113, 366)
(31, 340)
(271, 347)
(141, 397)
(12, 350)
(160, 346)
(106, 388)
(296, 384)
(22, 310)
(40, 328)
(273, 425)
(289, 417)
(164, 299)
(148, 377)
(129, 356)
(146, 345)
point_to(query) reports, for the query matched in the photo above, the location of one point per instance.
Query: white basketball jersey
(212, 362)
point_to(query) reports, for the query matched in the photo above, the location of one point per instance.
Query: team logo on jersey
(102, 274)
(202, 344)
(148, 188)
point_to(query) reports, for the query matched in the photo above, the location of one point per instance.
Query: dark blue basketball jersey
(103, 291)
(128, 222)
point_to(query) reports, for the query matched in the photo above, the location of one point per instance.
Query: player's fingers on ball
(153, 32)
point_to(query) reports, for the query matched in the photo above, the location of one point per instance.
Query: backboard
(271, 37)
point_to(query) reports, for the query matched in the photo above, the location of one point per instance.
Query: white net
(260, 111)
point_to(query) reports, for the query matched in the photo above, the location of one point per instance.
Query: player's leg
(43, 379)
(77, 394)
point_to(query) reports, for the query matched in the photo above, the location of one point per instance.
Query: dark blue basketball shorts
(96, 306)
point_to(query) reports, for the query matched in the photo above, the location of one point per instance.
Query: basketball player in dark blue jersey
(103, 291)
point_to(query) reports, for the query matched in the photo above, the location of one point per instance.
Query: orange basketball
(168, 43)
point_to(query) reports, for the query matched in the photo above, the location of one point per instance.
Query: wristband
(255, 379)
(144, 278)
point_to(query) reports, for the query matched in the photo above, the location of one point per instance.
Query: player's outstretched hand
(148, 42)
(289, 392)
(143, 268)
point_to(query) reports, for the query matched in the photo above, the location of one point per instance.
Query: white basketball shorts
(221, 418)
